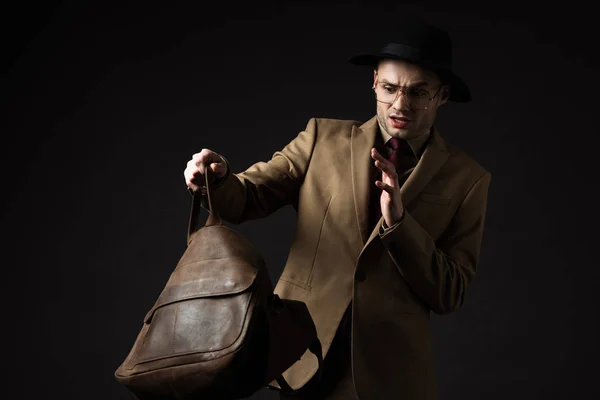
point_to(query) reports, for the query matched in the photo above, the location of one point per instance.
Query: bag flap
(206, 278)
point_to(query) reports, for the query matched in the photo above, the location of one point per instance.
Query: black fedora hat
(427, 46)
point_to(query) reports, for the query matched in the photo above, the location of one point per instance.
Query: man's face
(399, 119)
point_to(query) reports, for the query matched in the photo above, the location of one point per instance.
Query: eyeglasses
(416, 98)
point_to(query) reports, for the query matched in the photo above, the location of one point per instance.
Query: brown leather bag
(217, 331)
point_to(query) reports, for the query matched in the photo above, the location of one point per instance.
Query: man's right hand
(194, 173)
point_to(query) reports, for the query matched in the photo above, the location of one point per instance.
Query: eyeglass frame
(402, 90)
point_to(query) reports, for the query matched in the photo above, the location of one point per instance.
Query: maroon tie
(393, 144)
(398, 147)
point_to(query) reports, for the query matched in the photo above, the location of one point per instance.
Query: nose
(400, 103)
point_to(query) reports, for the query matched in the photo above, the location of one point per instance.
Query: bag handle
(315, 348)
(213, 216)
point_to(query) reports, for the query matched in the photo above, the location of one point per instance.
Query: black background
(105, 102)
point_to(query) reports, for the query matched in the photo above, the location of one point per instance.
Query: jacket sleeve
(439, 273)
(266, 186)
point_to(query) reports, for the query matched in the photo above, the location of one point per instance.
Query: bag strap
(317, 350)
(213, 216)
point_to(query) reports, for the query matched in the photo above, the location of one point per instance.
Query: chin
(399, 132)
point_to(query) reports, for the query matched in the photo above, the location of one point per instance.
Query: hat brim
(459, 91)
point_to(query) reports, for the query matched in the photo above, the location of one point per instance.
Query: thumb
(219, 169)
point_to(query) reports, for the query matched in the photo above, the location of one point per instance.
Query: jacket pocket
(301, 260)
(294, 282)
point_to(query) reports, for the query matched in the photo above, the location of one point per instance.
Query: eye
(418, 93)
(389, 88)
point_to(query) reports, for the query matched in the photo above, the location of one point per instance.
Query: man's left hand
(392, 208)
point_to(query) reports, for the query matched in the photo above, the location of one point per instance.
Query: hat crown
(425, 45)
(432, 44)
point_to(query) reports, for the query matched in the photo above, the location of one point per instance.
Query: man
(390, 222)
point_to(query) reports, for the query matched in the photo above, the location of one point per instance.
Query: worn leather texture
(216, 330)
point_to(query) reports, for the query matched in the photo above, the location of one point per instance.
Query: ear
(445, 94)
(374, 77)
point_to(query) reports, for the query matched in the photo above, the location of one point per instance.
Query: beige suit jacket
(394, 279)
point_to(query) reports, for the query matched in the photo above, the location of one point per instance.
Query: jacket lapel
(434, 156)
(362, 140)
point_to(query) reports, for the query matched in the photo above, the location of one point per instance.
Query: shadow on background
(106, 102)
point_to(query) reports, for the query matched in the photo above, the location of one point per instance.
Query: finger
(201, 163)
(384, 186)
(207, 157)
(196, 159)
(191, 185)
(378, 156)
(201, 154)
(387, 169)
(196, 173)
(191, 177)
(383, 164)
(193, 167)
(218, 168)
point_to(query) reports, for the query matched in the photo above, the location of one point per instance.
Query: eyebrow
(417, 84)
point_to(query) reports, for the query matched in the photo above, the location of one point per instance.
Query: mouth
(399, 122)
